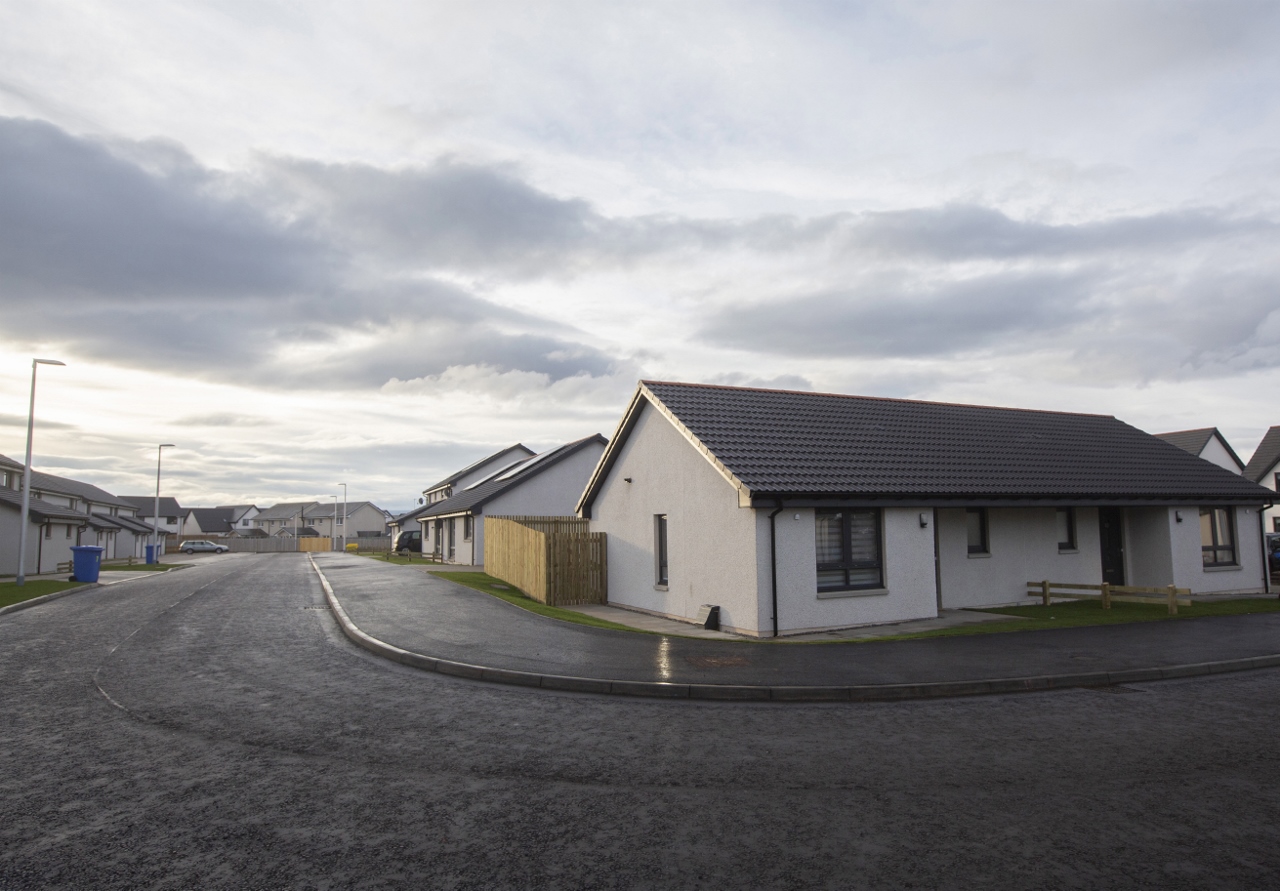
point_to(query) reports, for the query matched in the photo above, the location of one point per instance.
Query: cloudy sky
(315, 243)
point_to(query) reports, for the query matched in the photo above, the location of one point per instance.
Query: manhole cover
(717, 661)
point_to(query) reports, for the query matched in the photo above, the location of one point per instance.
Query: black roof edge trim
(811, 500)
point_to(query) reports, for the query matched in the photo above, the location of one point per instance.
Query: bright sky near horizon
(371, 242)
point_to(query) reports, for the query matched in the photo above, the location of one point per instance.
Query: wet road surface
(211, 728)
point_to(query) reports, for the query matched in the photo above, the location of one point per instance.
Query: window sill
(661, 587)
(1068, 550)
(1236, 568)
(860, 592)
(983, 556)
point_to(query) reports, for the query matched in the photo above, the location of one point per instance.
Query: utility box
(709, 617)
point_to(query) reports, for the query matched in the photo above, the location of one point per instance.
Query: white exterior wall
(1148, 545)
(1189, 570)
(909, 590)
(1215, 453)
(1024, 547)
(1269, 481)
(713, 545)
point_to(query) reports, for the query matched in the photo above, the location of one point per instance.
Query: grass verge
(1080, 613)
(11, 592)
(500, 589)
(137, 567)
(406, 560)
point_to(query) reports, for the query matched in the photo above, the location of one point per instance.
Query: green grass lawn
(1078, 613)
(500, 589)
(11, 592)
(387, 557)
(138, 567)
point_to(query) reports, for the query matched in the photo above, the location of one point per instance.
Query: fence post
(1106, 595)
(1044, 592)
(1173, 600)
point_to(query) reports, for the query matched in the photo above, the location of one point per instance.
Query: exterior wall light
(924, 521)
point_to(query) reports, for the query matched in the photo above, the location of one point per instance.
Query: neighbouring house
(286, 517)
(1207, 443)
(241, 516)
(1264, 469)
(796, 511)
(63, 513)
(485, 467)
(546, 484)
(209, 522)
(172, 519)
(355, 520)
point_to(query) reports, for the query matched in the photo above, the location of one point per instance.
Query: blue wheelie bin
(151, 555)
(86, 560)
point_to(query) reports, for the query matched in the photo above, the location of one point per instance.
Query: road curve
(211, 728)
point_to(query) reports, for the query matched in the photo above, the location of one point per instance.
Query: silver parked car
(203, 546)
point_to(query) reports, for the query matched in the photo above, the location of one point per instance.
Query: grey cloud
(133, 253)
(896, 316)
(966, 232)
(11, 420)
(223, 419)
(78, 221)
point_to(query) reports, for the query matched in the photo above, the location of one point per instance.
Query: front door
(1111, 537)
(453, 523)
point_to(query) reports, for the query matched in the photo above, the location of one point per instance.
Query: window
(466, 528)
(1275, 524)
(68, 528)
(48, 531)
(1217, 536)
(976, 523)
(660, 547)
(848, 545)
(171, 520)
(1066, 529)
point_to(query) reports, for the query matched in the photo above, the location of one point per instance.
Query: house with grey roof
(545, 484)
(285, 518)
(353, 521)
(1264, 469)
(459, 479)
(63, 513)
(1207, 443)
(796, 511)
(172, 519)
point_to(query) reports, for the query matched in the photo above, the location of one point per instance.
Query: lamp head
(47, 362)
(167, 445)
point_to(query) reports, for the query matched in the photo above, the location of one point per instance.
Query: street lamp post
(344, 516)
(155, 525)
(26, 474)
(335, 520)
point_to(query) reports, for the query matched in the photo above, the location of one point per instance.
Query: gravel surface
(211, 729)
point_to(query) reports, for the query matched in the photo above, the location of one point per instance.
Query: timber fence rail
(1171, 595)
(555, 560)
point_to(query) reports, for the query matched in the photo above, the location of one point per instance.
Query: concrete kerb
(740, 693)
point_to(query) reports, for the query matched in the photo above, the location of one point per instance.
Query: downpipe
(773, 563)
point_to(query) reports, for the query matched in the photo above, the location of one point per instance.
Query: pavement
(421, 620)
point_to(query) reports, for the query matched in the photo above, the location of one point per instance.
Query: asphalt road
(211, 729)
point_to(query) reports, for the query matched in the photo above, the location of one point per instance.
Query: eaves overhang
(642, 396)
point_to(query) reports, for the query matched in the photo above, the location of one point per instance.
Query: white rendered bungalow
(478, 470)
(1264, 469)
(1207, 443)
(546, 484)
(796, 512)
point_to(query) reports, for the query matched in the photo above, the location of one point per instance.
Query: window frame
(1072, 544)
(1215, 546)
(846, 563)
(661, 551)
(468, 527)
(983, 548)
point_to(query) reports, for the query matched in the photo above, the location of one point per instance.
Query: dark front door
(1111, 536)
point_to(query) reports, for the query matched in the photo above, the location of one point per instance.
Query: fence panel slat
(555, 560)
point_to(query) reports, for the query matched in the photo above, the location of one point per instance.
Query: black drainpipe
(773, 563)
(1266, 554)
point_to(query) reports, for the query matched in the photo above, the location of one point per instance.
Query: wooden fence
(1171, 596)
(555, 560)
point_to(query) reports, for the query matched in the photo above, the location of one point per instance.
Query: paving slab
(422, 614)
